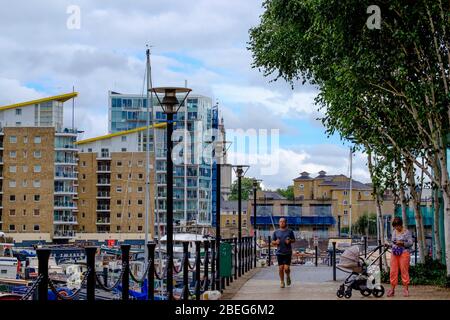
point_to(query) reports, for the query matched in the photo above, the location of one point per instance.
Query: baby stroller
(365, 275)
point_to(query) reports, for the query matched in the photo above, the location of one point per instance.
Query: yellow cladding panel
(61, 98)
(121, 133)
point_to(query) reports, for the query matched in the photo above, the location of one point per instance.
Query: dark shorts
(284, 259)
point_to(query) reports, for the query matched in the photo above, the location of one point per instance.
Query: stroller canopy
(350, 259)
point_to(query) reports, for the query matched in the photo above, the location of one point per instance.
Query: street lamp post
(170, 106)
(239, 170)
(339, 225)
(255, 187)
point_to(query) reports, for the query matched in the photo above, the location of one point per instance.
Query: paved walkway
(315, 283)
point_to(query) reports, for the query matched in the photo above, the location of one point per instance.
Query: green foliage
(367, 223)
(288, 193)
(246, 188)
(432, 272)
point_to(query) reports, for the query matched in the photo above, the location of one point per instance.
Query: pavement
(316, 283)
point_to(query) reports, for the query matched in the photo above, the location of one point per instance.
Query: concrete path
(315, 283)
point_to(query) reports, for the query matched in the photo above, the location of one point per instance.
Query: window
(140, 189)
(12, 169)
(141, 176)
(140, 202)
(124, 149)
(24, 183)
(83, 176)
(12, 139)
(36, 183)
(118, 189)
(37, 197)
(24, 227)
(119, 202)
(12, 212)
(129, 228)
(119, 215)
(228, 222)
(12, 154)
(118, 228)
(18, 123)
(344, 202)
(140, 215)
(130, 189)
(12, 183)
(24, 212)
(83, 214)
(24, 197)
(119, 163)
(37, 168)
(119, 176)
(345, 212)
(140, 163)
(124, 138)
(37, 154)
(37, 139)
(345, 192)
(83, 189)
(89, 149)
(36, 227)
(83, 164)
(25, 153)
(18, 112)
(139, 228)
(129, 214)
(36, 212)
(25, 139)
(12, 198)
(302, 186)
(12, 227)
(25, 169)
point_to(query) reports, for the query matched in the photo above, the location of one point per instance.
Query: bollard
(334, 261)
(126, 271)
(213, 264)
(90, 261)
(205, 265)
(365, 246)
(317, 253)
(270, 256)
(105, 276)
(185, 271)
(197, 270)
(151, 272)
(415, 251)
(235, 258)
(43, 256)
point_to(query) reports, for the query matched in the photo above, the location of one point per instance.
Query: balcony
(104, 169)
(67, 234)
(103, 182)
(66, 161)
(104, 156)
(61, 205)
(103, 207)
(103, 195)
(103, 221)
(65, 190)
(65, 220)
(59, 175)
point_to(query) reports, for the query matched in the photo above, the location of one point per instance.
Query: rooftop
(62, 98)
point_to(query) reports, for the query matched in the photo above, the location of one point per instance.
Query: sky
(44, 51)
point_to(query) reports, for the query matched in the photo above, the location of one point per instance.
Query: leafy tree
(246, 188)
(366, 225)
(385, 90)
(288, 192)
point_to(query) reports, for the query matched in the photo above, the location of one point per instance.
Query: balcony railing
(104, 168)
(70, 219)
(103, 221)
(104, 181)
(69, 190)
(65, 160)
(103, 194)
(63, 174)
(64, 234)
(65, 204)
(103, 208)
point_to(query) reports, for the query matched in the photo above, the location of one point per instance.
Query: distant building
(319, 203)
(37, 171)
(229, 218)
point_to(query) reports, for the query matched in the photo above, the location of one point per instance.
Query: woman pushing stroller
(401, 244)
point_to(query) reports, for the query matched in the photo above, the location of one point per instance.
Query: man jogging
(283, 238)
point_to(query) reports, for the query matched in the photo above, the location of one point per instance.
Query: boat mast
(147, 154)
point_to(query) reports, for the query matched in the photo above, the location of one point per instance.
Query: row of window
(118, 228)
(140, 163)
(140, 215)
(140, 176)
(36, 212)
(36, 154)
(36, 168)
(13, 184)
(140, 202)
(244, 222)
(36, 139)
(12, 227)
(12, 197)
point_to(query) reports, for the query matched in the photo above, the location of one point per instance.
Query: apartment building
(229, 218)
(111, 186)
(193, 187)
(37, 171)
(320, 205)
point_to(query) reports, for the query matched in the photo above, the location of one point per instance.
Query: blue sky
(203, 42)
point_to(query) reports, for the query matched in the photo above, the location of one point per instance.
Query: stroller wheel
(348, 294)
(339, 293)
(378, 292)
(366, 292)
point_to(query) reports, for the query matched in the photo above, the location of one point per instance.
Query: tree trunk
(446, 198)
(437, 233)
(420, 234)
(401, 190)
